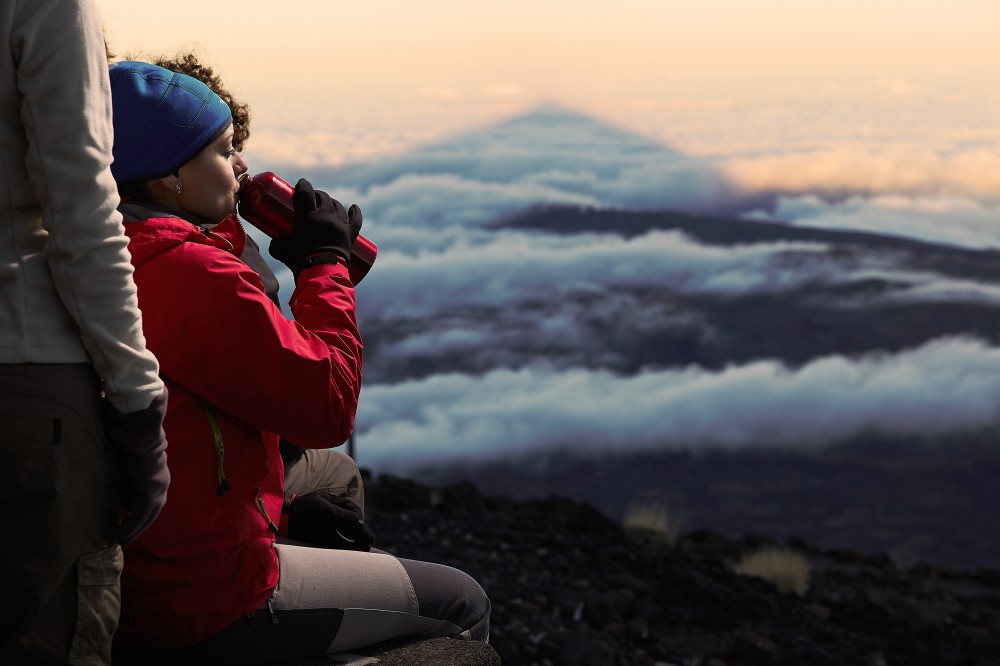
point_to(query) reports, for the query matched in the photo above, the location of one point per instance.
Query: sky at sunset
(796, 91)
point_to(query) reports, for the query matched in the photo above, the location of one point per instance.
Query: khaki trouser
(59, 563)
(328, 470)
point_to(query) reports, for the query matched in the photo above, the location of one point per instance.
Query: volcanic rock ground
(570, 586)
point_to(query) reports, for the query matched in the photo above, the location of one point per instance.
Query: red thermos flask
(266, 203)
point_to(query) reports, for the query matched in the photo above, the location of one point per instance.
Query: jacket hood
(152, 231)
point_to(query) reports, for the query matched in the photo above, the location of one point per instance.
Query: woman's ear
(168, 185)
(163, 191)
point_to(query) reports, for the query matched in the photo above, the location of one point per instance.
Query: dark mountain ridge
(715, 230)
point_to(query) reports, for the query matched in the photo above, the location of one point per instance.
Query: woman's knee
(446, 593)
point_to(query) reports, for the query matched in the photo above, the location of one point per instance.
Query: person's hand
(322, 226)
(141, 448)
(330, 521)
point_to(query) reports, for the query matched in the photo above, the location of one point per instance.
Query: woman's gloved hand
(140, 446)
(330, 521)
(322, 226)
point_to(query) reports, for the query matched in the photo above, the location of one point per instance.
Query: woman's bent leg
(330, 601)
(456, 599)
(379, 596)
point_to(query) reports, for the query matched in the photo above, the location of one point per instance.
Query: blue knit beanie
(162, 119)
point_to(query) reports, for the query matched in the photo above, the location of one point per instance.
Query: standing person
(70, 329)
(208, 583)
(306, 470)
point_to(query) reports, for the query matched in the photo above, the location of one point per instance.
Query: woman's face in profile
(208, 180)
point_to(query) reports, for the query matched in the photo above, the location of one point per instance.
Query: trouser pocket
(98, 606)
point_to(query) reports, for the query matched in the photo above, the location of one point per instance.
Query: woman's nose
(240, 165)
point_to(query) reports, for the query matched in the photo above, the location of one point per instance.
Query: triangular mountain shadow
(563, 151)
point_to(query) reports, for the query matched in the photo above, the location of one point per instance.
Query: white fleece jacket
(66, 290)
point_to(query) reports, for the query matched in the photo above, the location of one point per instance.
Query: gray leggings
(330, 601)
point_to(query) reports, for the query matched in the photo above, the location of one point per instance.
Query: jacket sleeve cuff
(316, 260)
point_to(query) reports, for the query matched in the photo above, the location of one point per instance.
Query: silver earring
(177, 188)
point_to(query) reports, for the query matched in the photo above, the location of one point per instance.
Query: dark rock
(568, 589)
(562, 512)
(580, 648)
(435, 652)
(432, 652)
(750, 647)
(393, 494)
(463, 497)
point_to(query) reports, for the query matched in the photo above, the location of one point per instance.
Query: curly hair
(188, 63)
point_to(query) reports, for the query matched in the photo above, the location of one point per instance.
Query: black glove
(321, 227)
(141, 447)
(330, 521)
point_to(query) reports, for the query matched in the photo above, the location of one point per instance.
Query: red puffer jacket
(238, 373)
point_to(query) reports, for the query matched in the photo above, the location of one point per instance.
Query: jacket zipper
(209, 234)
(223, 487)
(260, 500)
(263, 511)
(220, 454)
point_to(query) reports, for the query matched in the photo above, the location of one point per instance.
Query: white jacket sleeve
(66, 112)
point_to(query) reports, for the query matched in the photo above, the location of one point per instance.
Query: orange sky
(385, 45)
(333, 81)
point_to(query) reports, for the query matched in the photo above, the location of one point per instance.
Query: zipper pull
(274, 616)
(263, 511)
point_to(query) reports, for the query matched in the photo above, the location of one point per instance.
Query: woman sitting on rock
(306, 470)
(208, 581)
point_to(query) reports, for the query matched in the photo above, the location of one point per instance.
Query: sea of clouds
(940, 387)
(434, 213)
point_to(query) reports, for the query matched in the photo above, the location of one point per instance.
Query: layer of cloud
(706, 144)
(493, 269)
(436, 202)
(944, 386)
(870, 169)
(431, 212)
(544, 285)
(594, 328)
(513, 266)
(943, 193)
(923, 288)
(941, 219)
(550, 156)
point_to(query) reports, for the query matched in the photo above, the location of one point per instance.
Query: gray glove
(141, 447)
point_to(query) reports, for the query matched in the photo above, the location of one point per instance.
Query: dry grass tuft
(653, 521)
(787, 569)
